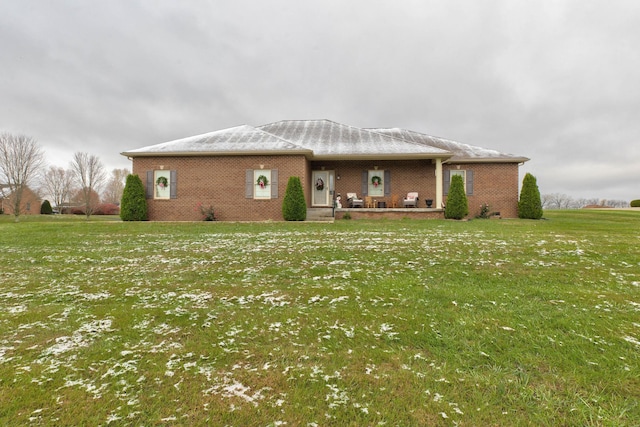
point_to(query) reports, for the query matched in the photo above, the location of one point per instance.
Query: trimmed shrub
(45, 208)
(457, 205)
(530, 204)
(107, 209)
(133, 206)
(294, 207)
(635, 203)
(207, 212)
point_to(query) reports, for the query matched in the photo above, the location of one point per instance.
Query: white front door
(321, 188)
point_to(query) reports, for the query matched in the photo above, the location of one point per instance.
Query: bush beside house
(294, 206)
(530, 204)
(635, 203)
(457, 204)
(45, 208)
(133, 206)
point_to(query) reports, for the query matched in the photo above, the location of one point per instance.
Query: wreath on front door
(319, 184)
(376, 180)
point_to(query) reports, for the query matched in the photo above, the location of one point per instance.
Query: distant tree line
(83, 186)
(564, 201)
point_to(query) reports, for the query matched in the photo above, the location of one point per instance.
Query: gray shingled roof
(324, 139)
(461, 152)
(331, 140)
(236, 140)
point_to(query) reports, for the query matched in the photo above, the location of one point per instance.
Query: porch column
(439, 190)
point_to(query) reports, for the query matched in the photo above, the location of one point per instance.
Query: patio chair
(411, 200)
(353, 201)
(368, 202)
(395, 201)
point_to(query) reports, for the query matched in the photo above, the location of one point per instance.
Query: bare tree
(21, 159)
(57, 184)
(557, 201)
(89, 175)
(114, 188)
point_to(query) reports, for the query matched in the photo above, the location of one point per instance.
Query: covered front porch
(380, 184)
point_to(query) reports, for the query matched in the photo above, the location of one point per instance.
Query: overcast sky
(554, 80)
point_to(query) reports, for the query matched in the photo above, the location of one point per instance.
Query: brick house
(29, 205)
(243, 171)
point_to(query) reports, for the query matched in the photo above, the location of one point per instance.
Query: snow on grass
(305, 328)
(82, 337)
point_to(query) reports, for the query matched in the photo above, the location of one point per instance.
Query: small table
(382, 205)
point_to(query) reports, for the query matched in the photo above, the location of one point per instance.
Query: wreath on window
(319, 184)
(262, 181)
(162, 182)
(376, 180)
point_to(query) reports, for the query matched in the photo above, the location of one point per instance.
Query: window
(261, 184)
(376, 183)
(463, 174)
(161, 180)
(162, 184)
(262, 180)
(467, 179)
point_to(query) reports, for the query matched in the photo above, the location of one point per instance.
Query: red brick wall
(493, 183)
(29, 205)
(409, 213)
(220, 182)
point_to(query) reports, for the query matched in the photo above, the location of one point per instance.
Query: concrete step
(319, 214)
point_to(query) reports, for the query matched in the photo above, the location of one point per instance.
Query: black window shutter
(446, 181)
(173, 187)
(149, 184)
(248, 184)
(469, 175)
(387, 183)
(274, 183)
(365, 183)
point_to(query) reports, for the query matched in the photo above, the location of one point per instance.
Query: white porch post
(439, 190)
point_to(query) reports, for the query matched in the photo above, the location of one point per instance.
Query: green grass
(485, 322)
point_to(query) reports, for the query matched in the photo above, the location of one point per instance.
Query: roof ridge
(424, 134)
(376, 130)
(297, 120)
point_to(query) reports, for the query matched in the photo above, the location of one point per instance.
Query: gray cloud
(553, 81)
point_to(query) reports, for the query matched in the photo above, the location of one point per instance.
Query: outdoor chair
(395, 201)
(368, 202)
(411, 200)
(353, 201)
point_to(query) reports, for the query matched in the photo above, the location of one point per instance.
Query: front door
(321, 188)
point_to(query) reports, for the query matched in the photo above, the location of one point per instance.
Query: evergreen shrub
(530, 204)
(635, 203)
(45, 208)
(294, 206)
(457, 204)
(133, 206)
